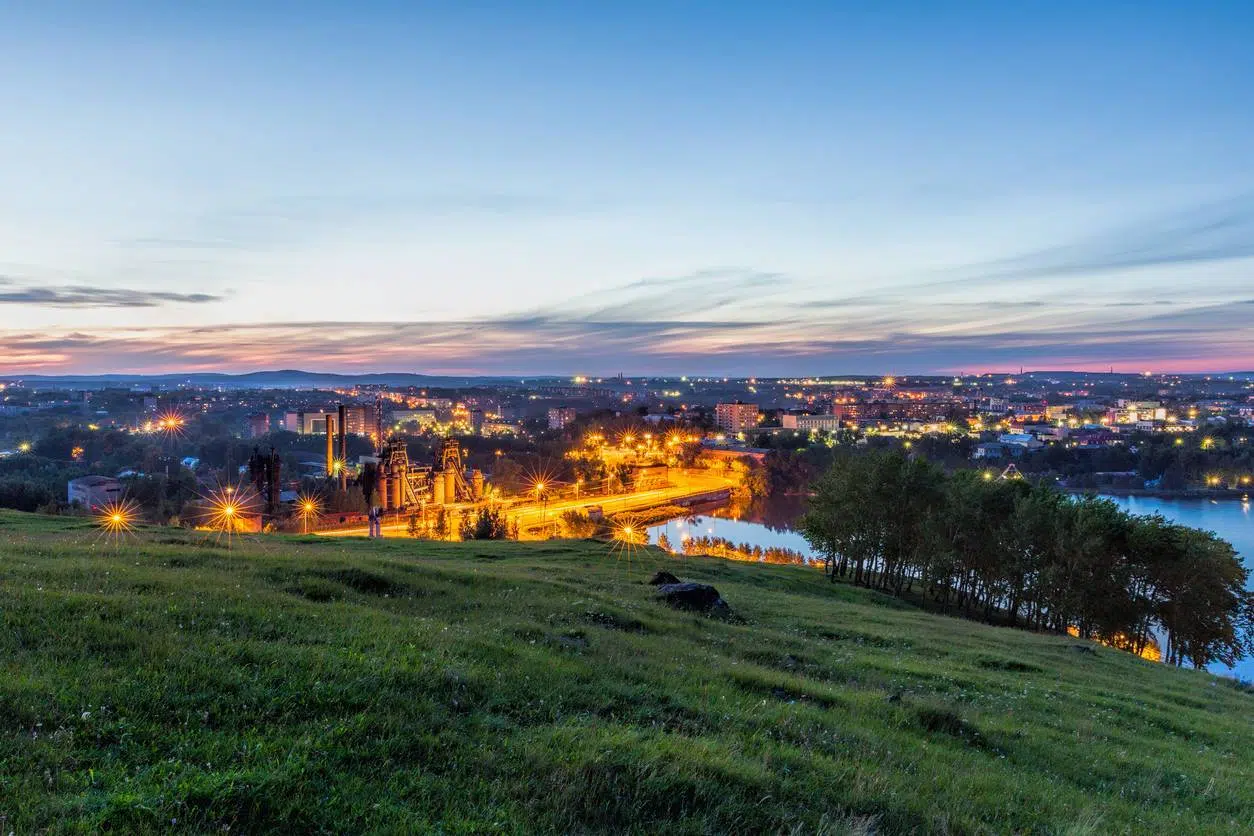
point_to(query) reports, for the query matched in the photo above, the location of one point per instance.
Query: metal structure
(456, 489)
(403, 485)
(330, 430)
(341, 425)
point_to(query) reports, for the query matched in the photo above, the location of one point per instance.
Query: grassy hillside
(306, 684)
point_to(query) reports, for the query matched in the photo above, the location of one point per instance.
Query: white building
(793, 421)
(92, 492)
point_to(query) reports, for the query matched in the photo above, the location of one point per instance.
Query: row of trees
(1030, 556)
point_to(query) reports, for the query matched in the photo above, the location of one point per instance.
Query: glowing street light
(628, 535)
(308, 506)
(226, 510)
(544, 497)
(118, 518)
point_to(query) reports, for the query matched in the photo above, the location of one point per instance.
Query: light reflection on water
(770, 523)
(761, 523)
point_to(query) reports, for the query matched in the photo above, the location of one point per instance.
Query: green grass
(302, 684)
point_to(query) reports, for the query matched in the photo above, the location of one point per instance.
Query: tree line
(1027, 555)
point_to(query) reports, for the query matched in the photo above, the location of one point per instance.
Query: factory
(389, 476)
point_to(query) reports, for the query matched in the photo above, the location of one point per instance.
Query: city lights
(170, 424)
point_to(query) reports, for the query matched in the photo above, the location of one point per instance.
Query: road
(533, 515)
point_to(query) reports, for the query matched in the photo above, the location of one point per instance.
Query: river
(770, 523)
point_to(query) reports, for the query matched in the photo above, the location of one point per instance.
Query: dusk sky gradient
(648, 187)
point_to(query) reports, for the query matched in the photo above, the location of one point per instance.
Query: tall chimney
(342, 427)
(330, 446)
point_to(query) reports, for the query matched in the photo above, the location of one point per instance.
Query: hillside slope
(347, 686)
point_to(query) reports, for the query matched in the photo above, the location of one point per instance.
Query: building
(421, 417)
(560, 416)
(491, 428)
(256, 425)
(736, 417)
(92, 492)
(307, 423)
(358, 420)
(793, 421)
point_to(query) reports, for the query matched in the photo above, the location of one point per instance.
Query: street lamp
(308, 507)
(541, 495)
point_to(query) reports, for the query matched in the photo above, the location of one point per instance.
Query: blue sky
(561, 187)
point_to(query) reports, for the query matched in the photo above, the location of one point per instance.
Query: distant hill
(287, 684)
(279, 379)
(298, 379)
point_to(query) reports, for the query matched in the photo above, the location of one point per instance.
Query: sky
(648, 187)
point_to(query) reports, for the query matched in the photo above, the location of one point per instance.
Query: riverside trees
(1028, 555)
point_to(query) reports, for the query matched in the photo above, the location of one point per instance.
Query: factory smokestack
(330, 446)
(342, 427)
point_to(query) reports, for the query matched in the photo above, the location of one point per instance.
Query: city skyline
(725, 190)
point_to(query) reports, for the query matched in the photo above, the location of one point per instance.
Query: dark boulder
(692, 596)
(662, 577)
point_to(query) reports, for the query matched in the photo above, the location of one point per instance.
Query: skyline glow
(551, 188)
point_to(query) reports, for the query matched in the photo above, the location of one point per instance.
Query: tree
(486, 524)
(1028, 555)
(578, 524)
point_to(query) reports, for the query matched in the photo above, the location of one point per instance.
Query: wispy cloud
(88, 296)
(690, 296)
(556, 344)
(1220, 231)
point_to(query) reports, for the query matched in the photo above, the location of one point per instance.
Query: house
(93, 492)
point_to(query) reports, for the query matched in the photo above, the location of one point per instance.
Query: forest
(1027, 555)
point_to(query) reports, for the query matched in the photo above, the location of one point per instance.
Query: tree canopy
(1028, 555)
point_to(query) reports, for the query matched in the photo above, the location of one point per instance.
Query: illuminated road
(531, 515)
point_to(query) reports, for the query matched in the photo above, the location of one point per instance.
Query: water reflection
(778, 514)
(763, 523)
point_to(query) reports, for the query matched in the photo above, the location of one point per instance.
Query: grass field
(303, 684)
